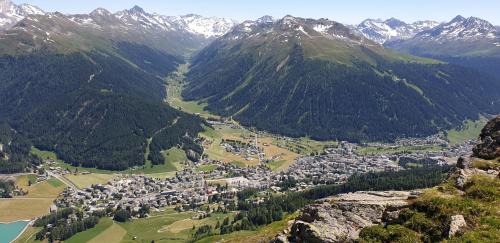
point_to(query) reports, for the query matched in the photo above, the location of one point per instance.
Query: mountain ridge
(391, 29)
(306, 77)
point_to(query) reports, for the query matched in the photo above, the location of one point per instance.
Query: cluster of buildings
(336, 165)
(191, 187)
(248, 150)
(133, 191)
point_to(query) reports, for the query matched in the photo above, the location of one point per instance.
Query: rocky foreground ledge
(476, 180)
(342, 217)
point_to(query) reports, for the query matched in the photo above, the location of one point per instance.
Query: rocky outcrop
(192, 155)
(341, 218)
(488, 146)
(457, 224)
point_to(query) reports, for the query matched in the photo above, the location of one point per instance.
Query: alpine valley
(133, 126)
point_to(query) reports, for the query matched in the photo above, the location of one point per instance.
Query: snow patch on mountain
(322, 28)
(206, 26)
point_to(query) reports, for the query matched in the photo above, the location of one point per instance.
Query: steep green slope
(92, 110)
(298, 77)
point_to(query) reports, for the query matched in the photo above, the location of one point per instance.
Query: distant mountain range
(477, 36)
(470, 42)
(318, 78)
(178, 35)
(10, 14)
(382, 31)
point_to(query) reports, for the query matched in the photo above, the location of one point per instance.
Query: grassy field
(113, 234)
(175, 85)
(276, 165)
(36, 203)
(167, 226)
(85, 236)
(263, 234)
(28, 235)
(148, 229)
(470, 130)
(207, 168)
(84, 181)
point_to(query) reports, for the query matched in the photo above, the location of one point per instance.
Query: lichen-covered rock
(461, 179)
(488, 146)
(457, 224)
(341, 218)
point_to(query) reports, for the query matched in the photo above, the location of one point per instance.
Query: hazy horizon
(348, 13)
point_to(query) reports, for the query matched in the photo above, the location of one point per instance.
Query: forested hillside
(92, 109)
(348, 89)
(14, 151)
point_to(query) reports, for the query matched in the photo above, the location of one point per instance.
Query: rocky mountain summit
(462, 209)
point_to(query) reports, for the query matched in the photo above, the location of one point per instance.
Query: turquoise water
(9, 232)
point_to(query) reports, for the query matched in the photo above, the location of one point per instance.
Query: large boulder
(457, 225)
(488, 146)
(341, 218)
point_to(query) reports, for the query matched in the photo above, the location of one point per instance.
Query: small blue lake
(8, 232)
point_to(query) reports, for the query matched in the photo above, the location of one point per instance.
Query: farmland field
(84, 181)
(36, 203)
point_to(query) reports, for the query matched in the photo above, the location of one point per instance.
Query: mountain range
(318, 78)
(471, 42)
(94, 92)
(382, 31)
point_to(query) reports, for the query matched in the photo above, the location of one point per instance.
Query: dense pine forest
(14, 153)
(93, 109)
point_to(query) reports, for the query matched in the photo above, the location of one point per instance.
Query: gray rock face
(192, 155)
(456, 225)
(341, 218)
(488, 146)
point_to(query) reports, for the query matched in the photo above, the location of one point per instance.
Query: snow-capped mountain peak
(382, 31)
(100, 12)
(11, 13)
(266, 19)
(208, 27)
(460, 28)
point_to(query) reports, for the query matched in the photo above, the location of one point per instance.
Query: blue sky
(347, 11)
